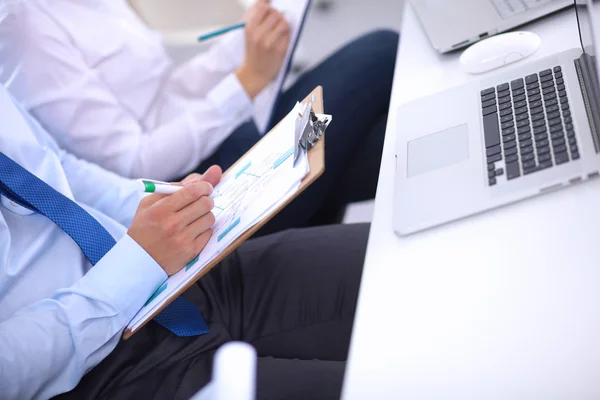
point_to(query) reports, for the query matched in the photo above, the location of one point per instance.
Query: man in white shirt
(102, 84)
(291, 295)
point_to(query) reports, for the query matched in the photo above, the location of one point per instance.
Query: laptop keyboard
(527, 124)
(510, 8)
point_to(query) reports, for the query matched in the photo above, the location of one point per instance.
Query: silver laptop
(524, 132)
(452, 24)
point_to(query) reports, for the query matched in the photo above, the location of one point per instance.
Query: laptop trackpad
(438, 150)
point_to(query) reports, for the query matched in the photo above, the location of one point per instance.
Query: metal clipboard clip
(309, 129)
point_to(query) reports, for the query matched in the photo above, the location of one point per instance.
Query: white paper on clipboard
(264, 104)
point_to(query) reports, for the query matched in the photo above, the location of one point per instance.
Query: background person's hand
(173, 229)
(267, 41)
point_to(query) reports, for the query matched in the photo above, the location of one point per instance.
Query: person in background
(102, 84)
(81, 252)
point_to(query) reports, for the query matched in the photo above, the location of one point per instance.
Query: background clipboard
(316, 160)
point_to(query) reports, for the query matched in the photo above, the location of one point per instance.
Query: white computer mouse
(498, 51)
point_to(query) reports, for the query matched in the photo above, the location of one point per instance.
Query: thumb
(213, 175)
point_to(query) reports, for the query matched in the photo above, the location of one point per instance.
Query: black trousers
(357, 83)
(291, 295)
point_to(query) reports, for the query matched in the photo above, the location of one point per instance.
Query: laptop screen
(588, 22)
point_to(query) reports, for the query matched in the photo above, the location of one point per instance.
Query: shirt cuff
(127, 275)
(231, 99)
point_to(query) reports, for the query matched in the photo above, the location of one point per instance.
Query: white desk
(502, 305)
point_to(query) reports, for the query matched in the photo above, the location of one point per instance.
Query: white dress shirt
(59, 317)
(102, 84)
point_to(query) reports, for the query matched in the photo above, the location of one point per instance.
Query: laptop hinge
(588, 80)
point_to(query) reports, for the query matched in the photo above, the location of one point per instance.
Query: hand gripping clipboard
(316, 161)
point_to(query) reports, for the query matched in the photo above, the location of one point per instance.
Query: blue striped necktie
(180, 317)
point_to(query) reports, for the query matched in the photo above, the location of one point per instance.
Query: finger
(149, 200)
(192, 177)
(201, 225)
(196, 210)
(278, 34)
(213, 175)
(186, 196)
(202, 240)
(258, 13)
(268, 24)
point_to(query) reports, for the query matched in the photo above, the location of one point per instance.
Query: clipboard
(316, 161)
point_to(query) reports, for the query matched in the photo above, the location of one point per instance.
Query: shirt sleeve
(47, 347)
(200, 75)
(42, 67)
(102, 190)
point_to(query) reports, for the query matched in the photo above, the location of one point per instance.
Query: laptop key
(491, 130)
(540, 129)
(568, 120)
(545, 157)
(510, 152)
(488, 97)
(522, 117)
(528, 157)
(572, 141)
(564, 100)
(552, 109)
(557, 135)
(491, 167)
(508, 138)
(506, 118)
(527, 150)
(562, 93)
(525, 136)
(535, 97)
(558, 142)
(523, 123)
(541, 136)
(512, 158)
(504, 100)
(533, 92)
(489, 110)
(525, 143)
(502, 87)
(504, 106)
(532, 86)
(557, 68)
(493, 159)
(548, 83)
(520, 97)
(564, 106)
(543, 150)
(548, 90)
(499, 172)
(520, 111)
(523, 103)
(488, 103)
(528, 164)
(508, 145)
(545, 72)
(508, 124)
(518, 92)
(552, 102)
(575, 155)
(537, 117)
(535, 104)
(492, 181)
(560, 81)
(488, 91)
(566, 113)
(560, 149)
(542, 143)
(556, 128)
(571, 133)
(546, 78)
(504, 112)
(561, 158)
(537, 124)
(531, 78)
(512, 170)
(508, 131)
(555, 121)
(560, 87)
(517, 84)
(493, 151)
(524, 129)
(503, 93)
